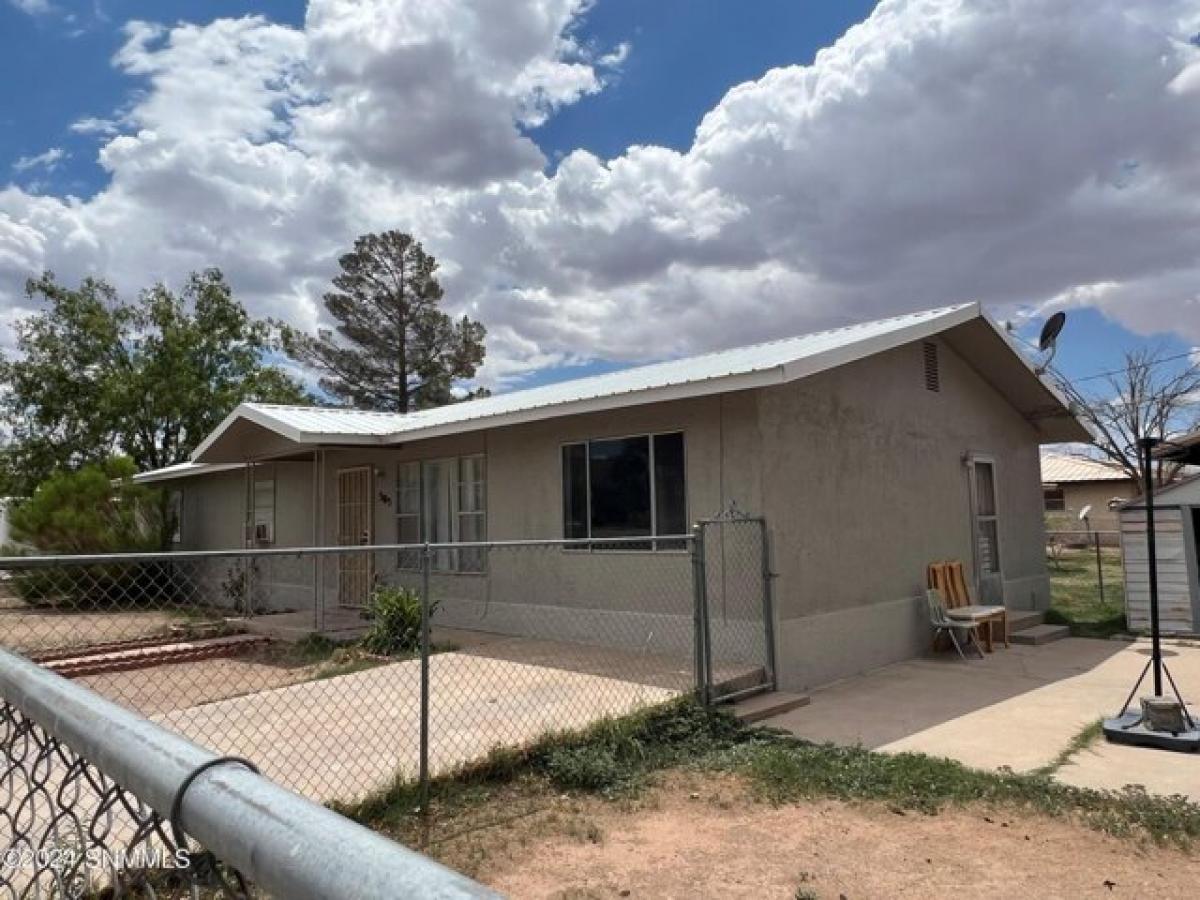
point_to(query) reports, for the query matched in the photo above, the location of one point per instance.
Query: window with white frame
(262, 511)
(987, 526)
(443, 501)
(625, 487)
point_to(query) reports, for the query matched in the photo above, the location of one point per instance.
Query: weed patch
(783, 769)
(616, 757)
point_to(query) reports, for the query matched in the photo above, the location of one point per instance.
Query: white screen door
(986, 530)
(355, 526)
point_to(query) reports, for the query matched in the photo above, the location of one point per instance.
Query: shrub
(96, 509)
(238, 586)
(585, 768)
(395, 615)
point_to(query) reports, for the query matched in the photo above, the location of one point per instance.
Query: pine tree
(395, 349)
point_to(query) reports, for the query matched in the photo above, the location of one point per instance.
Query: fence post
(423, 774)
(250, 587)
(700, 612)
(768, 605)
(1099, 565)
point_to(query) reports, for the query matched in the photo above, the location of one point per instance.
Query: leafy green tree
(398, 351)
(95, 509)
(96, 375)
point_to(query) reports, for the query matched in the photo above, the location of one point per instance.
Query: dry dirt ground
(37, 629)
(702, 835)
(162, 689)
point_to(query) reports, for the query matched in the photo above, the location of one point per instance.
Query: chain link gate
(734, 620)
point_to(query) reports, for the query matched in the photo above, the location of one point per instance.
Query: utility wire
(1153, 362)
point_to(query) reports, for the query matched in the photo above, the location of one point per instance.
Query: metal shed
(1177, 522)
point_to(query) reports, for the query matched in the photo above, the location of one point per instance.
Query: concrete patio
(344, 738)
(1017, 708)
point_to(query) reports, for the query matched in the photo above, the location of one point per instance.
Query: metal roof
(760, 365)
(183, 470)
(1058, 468)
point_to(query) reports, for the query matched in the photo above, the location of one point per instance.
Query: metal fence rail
(96, 797)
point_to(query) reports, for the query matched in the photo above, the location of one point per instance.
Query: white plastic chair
(942, 623)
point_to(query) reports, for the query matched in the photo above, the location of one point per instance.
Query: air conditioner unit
(262, 533)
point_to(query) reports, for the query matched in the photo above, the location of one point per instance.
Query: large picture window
(442, 501)
(625, 487)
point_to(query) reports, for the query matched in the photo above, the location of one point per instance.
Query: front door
(985, 515)
(355, 504)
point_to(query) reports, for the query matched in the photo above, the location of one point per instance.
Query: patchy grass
(617, 758)
(1088, 735)
(1075, 592)
(784, 770)
(327, 658)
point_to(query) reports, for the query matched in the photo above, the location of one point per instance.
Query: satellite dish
(1051, 330)
(1048, 342)
(1083, 513)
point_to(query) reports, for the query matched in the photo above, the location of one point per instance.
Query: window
(262, 511)
(987, 536)
(1055, 499)
(408, 513)
(442, 501)
(625, 487)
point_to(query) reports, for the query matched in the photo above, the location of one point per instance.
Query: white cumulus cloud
(47, 160)
(1027, 153)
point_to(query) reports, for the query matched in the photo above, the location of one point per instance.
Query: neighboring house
(1176, 527)
(1072, 483)
(870, 450)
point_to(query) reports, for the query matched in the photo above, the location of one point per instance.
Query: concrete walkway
(343, 738)
(1017, 708)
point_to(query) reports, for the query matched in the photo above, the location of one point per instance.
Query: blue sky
(847, 259)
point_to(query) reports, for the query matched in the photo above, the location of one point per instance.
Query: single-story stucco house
(869, 450)
(1071, 484)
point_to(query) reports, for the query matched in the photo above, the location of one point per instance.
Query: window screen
(987, 533)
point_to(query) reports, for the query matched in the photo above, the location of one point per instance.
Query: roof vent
(932, 376)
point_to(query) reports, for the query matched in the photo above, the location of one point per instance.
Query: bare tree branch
(1149, 396)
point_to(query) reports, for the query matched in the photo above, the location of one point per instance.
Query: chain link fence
(736, 617)
(310, 662)
(339, 672)
(99, 802)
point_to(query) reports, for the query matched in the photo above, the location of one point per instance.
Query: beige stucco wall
(858, 471)
(213, 519)
(631, 598)
(867, 485)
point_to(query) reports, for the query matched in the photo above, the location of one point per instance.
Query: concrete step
(1040, 634)
(1020, 619)
(763, 706)
(145, 656)
(737, 682)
